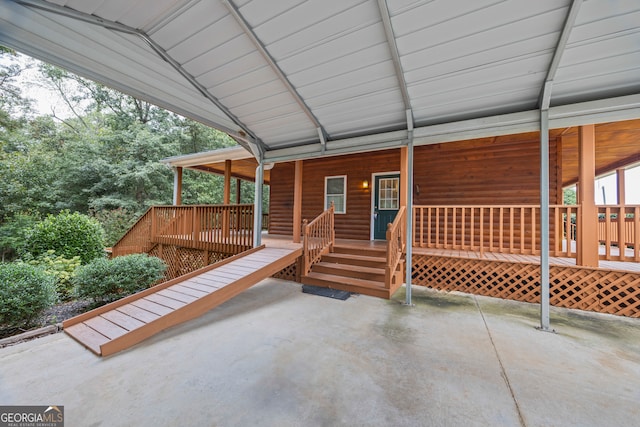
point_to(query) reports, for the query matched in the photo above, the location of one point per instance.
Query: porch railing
(216, 228)
(619, 232)
(318, 237)
(396, 238)
(498, 228)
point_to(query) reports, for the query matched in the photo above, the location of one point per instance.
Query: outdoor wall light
(365, 184)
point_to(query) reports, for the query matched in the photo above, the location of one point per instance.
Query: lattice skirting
(184, 260)
(289, 273)
(604, 291)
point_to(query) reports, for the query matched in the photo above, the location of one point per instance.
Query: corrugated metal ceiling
(300, 77)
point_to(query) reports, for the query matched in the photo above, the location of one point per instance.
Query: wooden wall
(355, 224)
(489, 171)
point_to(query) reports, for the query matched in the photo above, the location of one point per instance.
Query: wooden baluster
(622, 241)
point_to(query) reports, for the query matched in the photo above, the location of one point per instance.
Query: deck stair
(123, 323)
(353, 268)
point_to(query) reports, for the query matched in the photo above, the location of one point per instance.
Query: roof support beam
(395, 55)
(545, 93)
(563, 116)
(272, 63)
(244, 133)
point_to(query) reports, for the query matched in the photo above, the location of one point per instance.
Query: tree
(569, 196)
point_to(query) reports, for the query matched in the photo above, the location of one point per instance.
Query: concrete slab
(274, 356)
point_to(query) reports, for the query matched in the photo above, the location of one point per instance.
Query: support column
(409, 209)
(621, 186)
(404, 167)
(544, 220)
(177, 185)
(257, 210)
(587, 249)
(238, 190)
(227, 182)
(297, 202)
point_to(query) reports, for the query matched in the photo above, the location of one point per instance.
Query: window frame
(344, 193)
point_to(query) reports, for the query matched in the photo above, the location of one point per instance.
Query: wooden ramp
(121, 324)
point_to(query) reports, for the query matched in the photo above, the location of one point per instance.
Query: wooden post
(621, 186)
(177, 186)
(559, 188)
(226, 199)
(305, 249)
(238, 190)
(297, 201)
(404, 177)
(587, 244)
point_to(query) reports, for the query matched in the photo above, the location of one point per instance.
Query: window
(335, 190)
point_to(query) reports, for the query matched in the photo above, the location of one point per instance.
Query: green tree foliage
(12, 234)
(25, 291)
(102, 156)
(68, 234)
(570, 197)
(105, 280)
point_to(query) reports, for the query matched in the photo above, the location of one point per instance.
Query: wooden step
(360, 250)
(350, 284)
(354, 259)
(345, 270)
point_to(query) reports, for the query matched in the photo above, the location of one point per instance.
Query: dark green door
(386, 202)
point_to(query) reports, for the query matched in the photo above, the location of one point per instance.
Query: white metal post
(544, 219)
(257, 210)
(176, 178)
(409, 210)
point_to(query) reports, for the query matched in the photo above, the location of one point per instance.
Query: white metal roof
(301, 78)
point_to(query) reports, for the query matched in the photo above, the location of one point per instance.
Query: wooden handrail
(217, 228)
(512, 229)
(137, 239)
(318, 237)
(619, 232)
(396, 238)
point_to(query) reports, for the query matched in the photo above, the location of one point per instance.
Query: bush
(25, 291)
(68, 234)
(105, 280)
(12, 234)
(61, 268)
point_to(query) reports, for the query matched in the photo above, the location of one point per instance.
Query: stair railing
(396, 238)
(318, 238)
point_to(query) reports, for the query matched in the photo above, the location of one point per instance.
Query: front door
(386, 202)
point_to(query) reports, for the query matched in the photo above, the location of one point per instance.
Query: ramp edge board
(104, 346)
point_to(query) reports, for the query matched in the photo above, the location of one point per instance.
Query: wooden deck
(124, 323)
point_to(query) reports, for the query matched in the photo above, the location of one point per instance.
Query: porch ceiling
(303, 78)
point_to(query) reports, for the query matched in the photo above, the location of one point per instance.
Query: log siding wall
(489, 171)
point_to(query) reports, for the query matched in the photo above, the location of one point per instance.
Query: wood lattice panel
(288, 273)
(605, 291)
(181, 260)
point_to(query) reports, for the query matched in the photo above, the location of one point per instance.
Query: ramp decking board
(122, 324)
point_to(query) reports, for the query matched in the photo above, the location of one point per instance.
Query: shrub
(25, 291)
(68, 234)
(105, 280)
(61, 268)
(13, 232)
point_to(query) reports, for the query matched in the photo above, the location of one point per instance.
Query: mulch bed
(52, 316)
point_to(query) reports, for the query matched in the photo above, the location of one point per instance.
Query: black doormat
(326, 292)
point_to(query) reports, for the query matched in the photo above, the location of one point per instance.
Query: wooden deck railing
(499, 228)
(137, 239)
(318, 237)
(216, 228)
(619, 232)
(396, 238)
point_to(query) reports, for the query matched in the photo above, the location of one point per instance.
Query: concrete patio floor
(277, 357)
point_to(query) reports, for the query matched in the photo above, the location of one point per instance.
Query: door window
(389, 194)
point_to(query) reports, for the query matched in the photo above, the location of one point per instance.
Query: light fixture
(365, 184)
